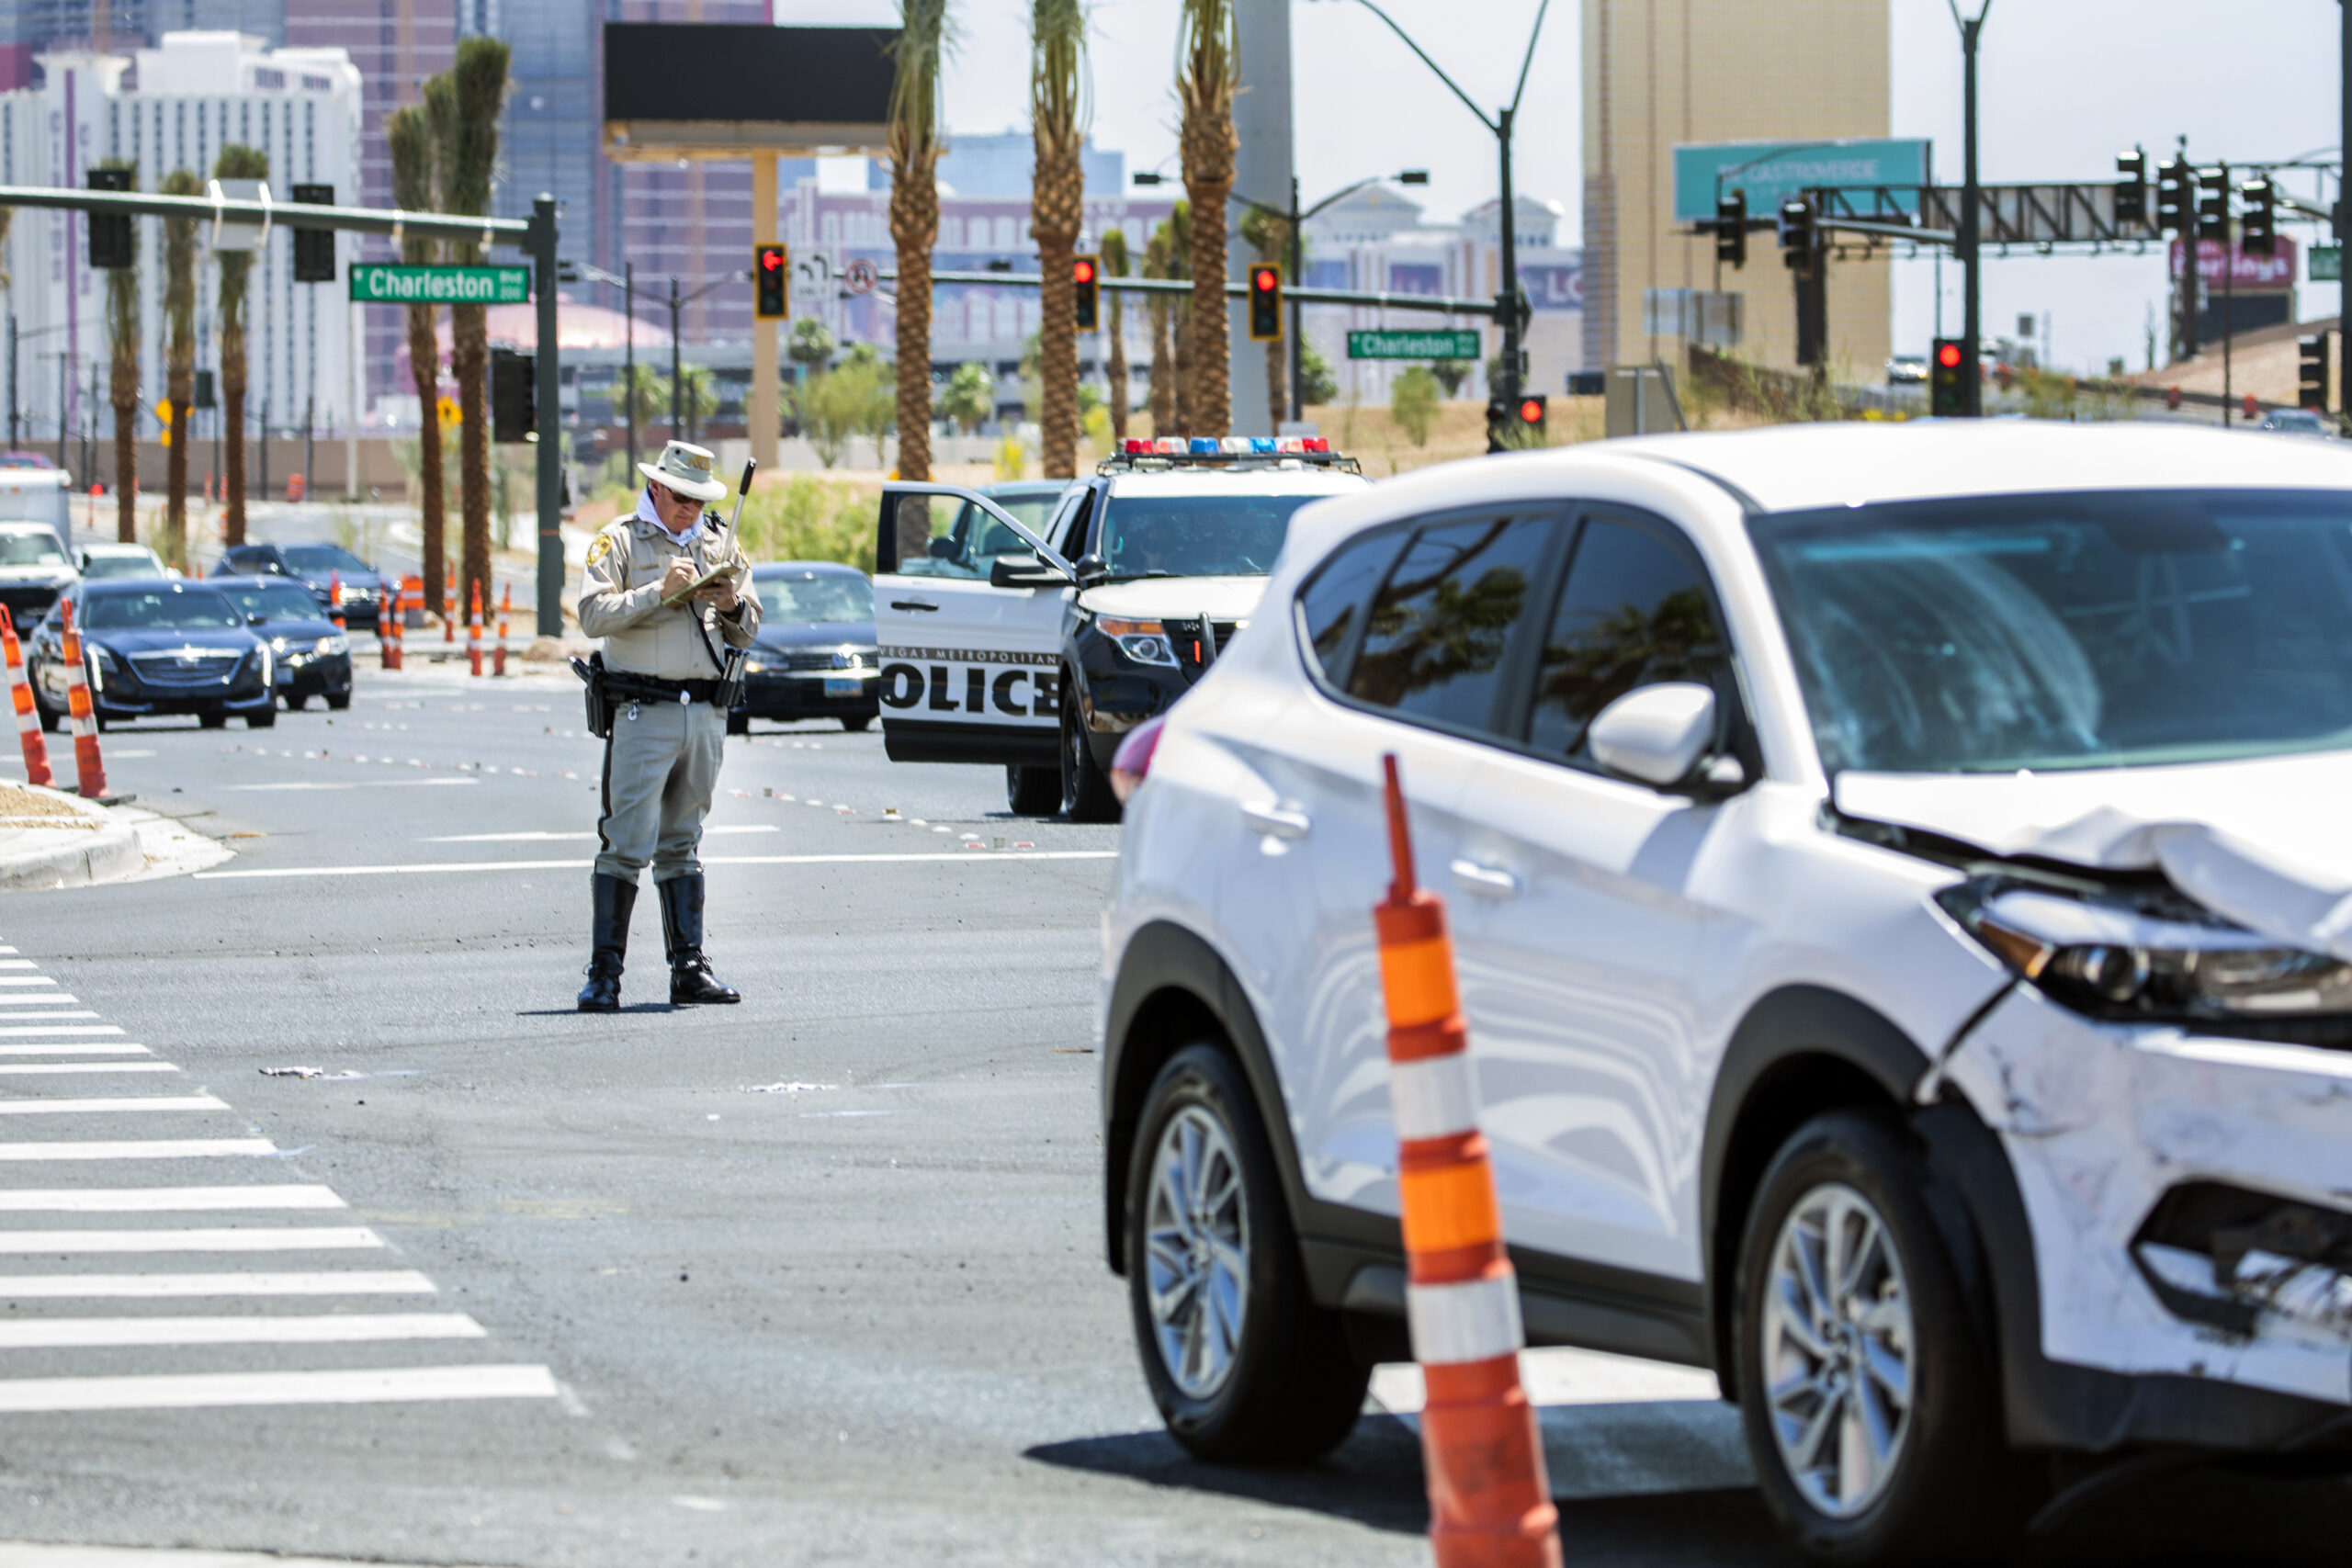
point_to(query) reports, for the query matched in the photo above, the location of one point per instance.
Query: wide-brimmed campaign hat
(686, 468)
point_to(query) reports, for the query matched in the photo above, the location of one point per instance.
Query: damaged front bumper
(2188, 1208)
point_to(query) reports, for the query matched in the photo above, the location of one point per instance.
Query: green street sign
(2327, 263)
(387, 283)
(1442, 344)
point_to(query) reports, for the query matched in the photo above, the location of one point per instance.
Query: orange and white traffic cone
(505, 608)
(1490, 1502)
(388, 629)
(473, 627)
(20, 698)
(334, 600)
(89, 771)
(449, 606)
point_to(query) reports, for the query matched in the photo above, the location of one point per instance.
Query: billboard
(1771, 172)
(1553, 285)
(2247, 273)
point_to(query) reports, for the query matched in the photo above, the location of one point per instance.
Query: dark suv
(324, 569)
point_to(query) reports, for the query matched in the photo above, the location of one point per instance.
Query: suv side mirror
(1022, 571)
(256, 620)
(1091, 569)
(941, 548)
(1655, 734)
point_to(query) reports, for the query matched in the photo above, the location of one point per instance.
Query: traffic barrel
(1490, 1501)
(473, 626)
(89, 771)
(388, 628)
(20, 698)
(505, 608)
(334, 600)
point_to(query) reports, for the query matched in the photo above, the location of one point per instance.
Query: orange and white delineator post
(449, 604)
(505, 608)
(334, 600)
(388, 627)
(1490, 1501)
(20, 698)
(89, 771)
(473, 628)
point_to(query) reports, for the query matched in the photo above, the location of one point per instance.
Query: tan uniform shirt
(620, 600)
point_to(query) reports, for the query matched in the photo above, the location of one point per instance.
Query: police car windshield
(790, 595)
(276, 601)
(169, 608)
(1196, 536)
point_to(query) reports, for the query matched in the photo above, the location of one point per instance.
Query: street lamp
(1509, 307)
(1972, 391)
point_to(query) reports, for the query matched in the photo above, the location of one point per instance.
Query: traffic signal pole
(1972, 310)
(548, 394)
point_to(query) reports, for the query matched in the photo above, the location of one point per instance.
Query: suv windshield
(30, 549)
(322, 558)
(165, 608)
(2090, 630)
(276, 601)
(1196, 536)
(787, 595)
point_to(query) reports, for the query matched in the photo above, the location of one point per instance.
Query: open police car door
(967, 609)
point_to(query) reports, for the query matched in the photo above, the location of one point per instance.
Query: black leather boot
(608, 942)
(690, 980)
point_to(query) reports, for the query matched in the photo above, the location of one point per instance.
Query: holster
(731, 680)
(591, 672)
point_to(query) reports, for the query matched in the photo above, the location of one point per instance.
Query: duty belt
(629, 685)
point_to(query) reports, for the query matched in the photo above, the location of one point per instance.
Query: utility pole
(1297, 398)
(13, 442)
(1971, 307)
(628, 305)
(678, 429)
(64, 360)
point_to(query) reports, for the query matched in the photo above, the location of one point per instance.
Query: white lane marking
(91, 1287)
(27, 980)
(38, 999)
(18, 963)
(62, 1048)
(1562, 1376)
(259, 1239)
(199, 1391)
(36, 1068)
(707, 860)
(340, 1328)
(543, 837)
(129, 1148)
(361, 783)
(46, 1030)
(127, 1102)
(20, 1017)
(161, 1200)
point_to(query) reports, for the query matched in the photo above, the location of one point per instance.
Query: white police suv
(1903, 890)
(1041, 648)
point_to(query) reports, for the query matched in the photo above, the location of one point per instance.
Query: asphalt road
(814, 1280)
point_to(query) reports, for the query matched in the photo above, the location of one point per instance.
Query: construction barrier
(388, 629)
(20, 698)
(89, 771)
(473, 627)
(1490, 1501)
(505, 608)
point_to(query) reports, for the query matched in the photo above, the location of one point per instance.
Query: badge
(599, 548)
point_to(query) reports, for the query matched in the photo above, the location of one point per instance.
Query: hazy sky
(2065, 85)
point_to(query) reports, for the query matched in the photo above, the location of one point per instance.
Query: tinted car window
(1433, 644)
(1332, 605)
(1635, 612)
(801, 596)
(322, 558)
(279, 601)
(165, 607)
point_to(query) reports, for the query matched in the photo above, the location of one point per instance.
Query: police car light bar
(1167, 451)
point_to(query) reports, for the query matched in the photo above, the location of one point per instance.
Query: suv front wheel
(1086, 789)
(1872, 1408)
(1242, 1363)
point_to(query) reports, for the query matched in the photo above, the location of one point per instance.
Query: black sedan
(151, 648)
(326, 570)
(312, 653)
(816, 657)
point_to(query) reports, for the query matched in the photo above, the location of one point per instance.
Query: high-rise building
(1662, 74)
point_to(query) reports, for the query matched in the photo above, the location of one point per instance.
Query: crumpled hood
(1149, 598)
(2267, 843)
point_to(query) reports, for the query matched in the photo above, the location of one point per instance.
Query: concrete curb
(73, 857)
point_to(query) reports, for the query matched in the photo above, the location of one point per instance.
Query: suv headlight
(1146, 642)
(2145, 956)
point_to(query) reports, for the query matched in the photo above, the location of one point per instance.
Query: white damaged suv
(1901, 882)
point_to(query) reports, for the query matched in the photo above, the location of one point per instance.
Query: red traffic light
(1949, 356)
(1082, 272)
(771, 258)
(1530, 412)
(1265, 279)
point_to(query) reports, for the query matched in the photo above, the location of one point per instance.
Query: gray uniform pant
(659, 767)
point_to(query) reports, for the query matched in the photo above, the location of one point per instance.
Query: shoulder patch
(599, 548)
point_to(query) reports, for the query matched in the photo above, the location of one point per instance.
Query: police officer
(663, 666)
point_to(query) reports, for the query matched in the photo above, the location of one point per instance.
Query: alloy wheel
(1839, 1351)
(1196, 1251)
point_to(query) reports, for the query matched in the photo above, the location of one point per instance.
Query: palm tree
(1060, 109)
(1268, 234)
(1157, 262)
(122, 391)
(235, 162)
(1116, 265)
(408, 134)
(925, 38)
(1209, 47)
(468, 161)
(179, 359)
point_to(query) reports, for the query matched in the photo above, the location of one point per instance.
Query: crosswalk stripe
(161, 1200)
(93, 1287)
(197, 1391)
(130, 1148)
(35, 1069)
(76, 1048)
(39, 999)
(45, 1029)
(257, 1239)
(338, 1328)
(125, 1102)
